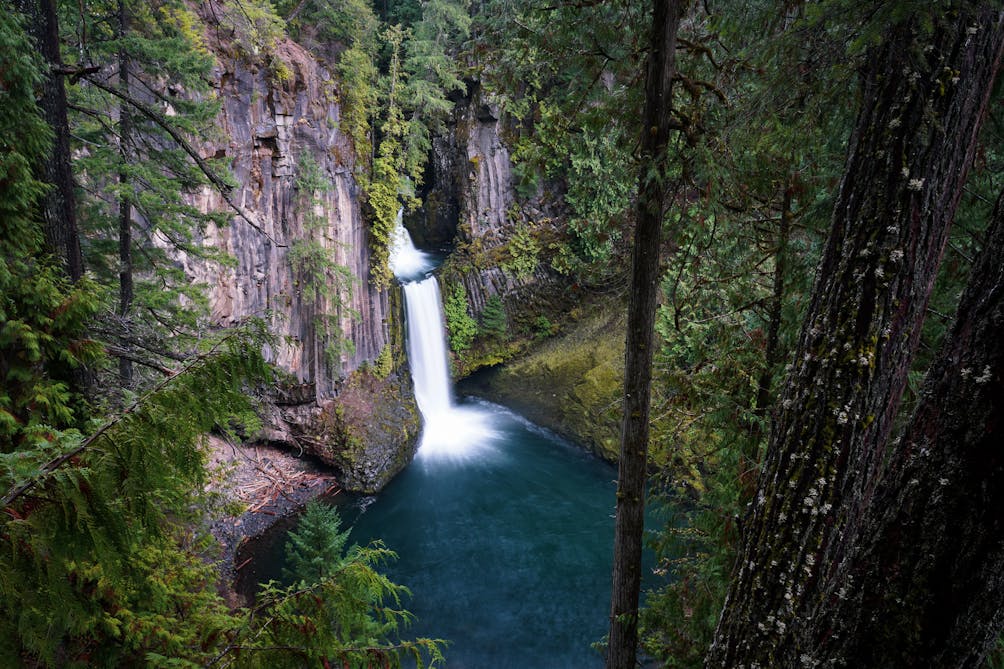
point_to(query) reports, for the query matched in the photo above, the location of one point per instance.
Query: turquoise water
(506, 548)
(504, 533)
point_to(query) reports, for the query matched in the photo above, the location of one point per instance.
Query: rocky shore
(257, 486)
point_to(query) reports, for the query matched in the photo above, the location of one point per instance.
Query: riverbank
(256, 487)
(571, 383)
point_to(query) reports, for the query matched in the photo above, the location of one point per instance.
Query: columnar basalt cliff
(472, 206)
(569, 383)
(297, 201)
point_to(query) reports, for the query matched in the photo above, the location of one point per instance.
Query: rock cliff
(302, 255)
(570, 383)
(472, 208)
(271, 134)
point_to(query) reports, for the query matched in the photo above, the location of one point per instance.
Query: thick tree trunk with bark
(59, 208)
(925, 585)
(924, 98)
(629, 524)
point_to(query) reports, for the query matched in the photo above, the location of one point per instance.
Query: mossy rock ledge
(368, 432)
(571, 383)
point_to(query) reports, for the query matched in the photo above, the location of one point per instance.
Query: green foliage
(388, 180)
(99, 561)
(493, 319)
(335, 608)
(524, 252)
(569, 76)
(348, 23)
(358, 74)
(460, 326)
(43, 342)
(422, 71)
(600, 192)
(384, 364)
(255, 26)
(129, 164)
(434, 72)
(542, 327)
(316, 548)
(747, 163)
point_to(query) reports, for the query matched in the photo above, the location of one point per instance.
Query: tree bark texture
(59, 207)
(126, 290)
(924, 97)
(629, 523)
(925, 585)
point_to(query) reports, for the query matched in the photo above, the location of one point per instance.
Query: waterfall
(448, 429)
(427, 347)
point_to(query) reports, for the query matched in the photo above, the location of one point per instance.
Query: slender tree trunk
(125, 201)
(764, 396)
(59, 210)
(924, 98)
(629, 522)
(927, 580)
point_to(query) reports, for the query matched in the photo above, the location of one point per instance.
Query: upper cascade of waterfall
(407, 262)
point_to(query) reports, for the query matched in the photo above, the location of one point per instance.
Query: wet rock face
(368, 434)
(296, 193)
(268, 132)
(470, 203)
(572, 383)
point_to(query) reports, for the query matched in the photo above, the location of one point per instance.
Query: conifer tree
(434, 73)
(633, 458)
(135, 173)
(43, 337)
(911, 149)
(493, 318)
(60, 207)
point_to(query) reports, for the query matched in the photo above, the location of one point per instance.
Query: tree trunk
(629, 524)
(924, 98)
(59, 207)
(125, 202)
(928, 573)
(772, 343)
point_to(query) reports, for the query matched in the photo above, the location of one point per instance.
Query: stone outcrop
(269, 134)
(572, 383)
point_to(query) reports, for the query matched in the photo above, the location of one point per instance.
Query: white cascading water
(448, 429)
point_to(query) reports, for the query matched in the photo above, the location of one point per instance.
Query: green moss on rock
(571, 383)
(370, 431)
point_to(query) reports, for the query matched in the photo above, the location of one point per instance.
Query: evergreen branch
(52, 465)
(119, 352)
(699, 48)
(222, 187)
(275, 605)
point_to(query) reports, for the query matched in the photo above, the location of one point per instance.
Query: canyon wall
(471, 207)
(270, 134)
(302, 262)
(561, 362)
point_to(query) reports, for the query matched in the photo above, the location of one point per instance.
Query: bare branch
(222, 187)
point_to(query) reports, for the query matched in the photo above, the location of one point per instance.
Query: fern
(79, 528)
